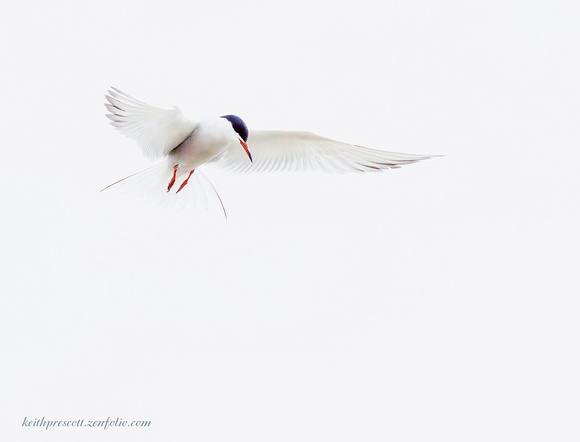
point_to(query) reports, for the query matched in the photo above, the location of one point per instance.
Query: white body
(209, 139)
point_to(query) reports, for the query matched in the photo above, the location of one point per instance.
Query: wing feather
(157, 131)
(276, 151)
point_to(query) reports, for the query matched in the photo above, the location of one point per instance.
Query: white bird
(226, 142)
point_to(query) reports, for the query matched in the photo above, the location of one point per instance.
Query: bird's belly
(197, 150)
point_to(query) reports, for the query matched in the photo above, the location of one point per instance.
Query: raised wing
(157, 131)
(274, 150)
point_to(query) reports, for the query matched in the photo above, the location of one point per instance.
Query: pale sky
(436, 302)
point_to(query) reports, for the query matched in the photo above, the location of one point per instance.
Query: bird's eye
(238, 125)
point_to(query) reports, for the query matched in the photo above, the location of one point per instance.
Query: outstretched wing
(274, 150)
(157, 131)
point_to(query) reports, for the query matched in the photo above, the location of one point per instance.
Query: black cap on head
(238, 125)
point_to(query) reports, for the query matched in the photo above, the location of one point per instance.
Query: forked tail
(152, 183)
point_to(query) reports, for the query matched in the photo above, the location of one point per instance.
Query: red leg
(172, 182)
(185, 182)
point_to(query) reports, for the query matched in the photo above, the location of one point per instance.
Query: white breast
(210, 138)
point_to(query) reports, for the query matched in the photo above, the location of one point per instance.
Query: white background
(437, 302)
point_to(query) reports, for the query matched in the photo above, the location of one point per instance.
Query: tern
(225, 142)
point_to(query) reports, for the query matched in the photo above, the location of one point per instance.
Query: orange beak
(245, 146)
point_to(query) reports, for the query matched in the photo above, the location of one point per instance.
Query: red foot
(185, 182)
(172, 182)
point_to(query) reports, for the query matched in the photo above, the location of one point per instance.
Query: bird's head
(241, 129)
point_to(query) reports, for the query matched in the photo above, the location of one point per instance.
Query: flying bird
(225, 142)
